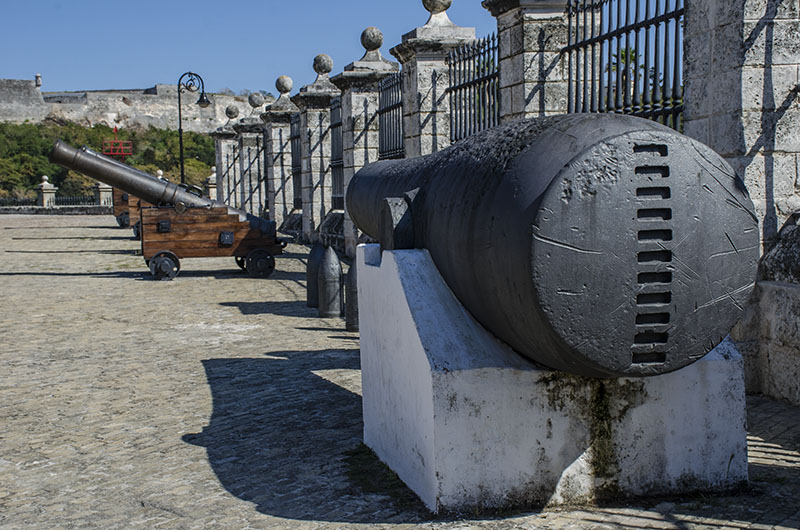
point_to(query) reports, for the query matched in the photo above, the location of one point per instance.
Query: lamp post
(191, 83)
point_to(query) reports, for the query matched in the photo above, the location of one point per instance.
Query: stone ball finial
(45, 178)
(284, 84)
(231, 111)
(435, 7)
(371, 39)
(256, 99)
(323, 64)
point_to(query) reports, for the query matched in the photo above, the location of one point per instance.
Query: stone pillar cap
(45, 185)
(549, 7)
(322, 85)
(283, 107)
(249, 124)
(436, 38)
(372, 40)
(225, 131)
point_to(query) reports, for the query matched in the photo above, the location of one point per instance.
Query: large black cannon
(183, 224)
(601, 245)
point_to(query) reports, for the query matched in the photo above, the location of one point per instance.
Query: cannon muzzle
(597, 244)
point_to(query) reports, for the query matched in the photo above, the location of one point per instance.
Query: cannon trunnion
(600, 245)
(175, 223)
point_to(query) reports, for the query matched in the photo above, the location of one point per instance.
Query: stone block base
(467, 423)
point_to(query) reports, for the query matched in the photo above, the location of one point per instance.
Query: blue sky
(236, 44)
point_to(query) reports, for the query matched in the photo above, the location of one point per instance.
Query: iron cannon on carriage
(179, 222)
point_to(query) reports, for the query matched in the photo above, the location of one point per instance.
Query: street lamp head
(203, 101)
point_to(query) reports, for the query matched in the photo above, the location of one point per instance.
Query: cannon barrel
(600, 245)
(139, 183)
(124, 177)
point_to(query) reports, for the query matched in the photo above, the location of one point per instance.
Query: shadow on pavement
(119, 251)
(285, 434)
(100, 238)
(135, 275)
(281, 435)
(294, 308)
(109, 227)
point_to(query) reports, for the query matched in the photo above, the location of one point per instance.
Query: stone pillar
(211, 184)
(250, 192)
(278, 147)
(359, 84)
(423, 54)
(742, 68)
(226, 150)
(103, 194)
(46, 193)
(533, 74)
(314, 102)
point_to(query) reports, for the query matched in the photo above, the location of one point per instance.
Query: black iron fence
(390, 118)
(230, 176)
(247, 189)
(297, 166)
(626, 56)
(84, 200)
(474, 87)
(15, 201)
(337, 156)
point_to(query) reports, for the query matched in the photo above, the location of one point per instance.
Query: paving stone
(221, 401)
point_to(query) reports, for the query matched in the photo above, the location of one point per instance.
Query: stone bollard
(351, 299)
(211, 184)
(312, 268)
(103, 194)
(330, 286)
(46, 193)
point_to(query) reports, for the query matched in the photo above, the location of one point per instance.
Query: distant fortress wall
(22, 101)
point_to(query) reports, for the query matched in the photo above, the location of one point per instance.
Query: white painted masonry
(467, 423)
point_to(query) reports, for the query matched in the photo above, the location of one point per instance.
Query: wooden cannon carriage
(169, 236)
(184, 224)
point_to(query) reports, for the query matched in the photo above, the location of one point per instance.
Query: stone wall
(769, 335)
(742, 68)
(21, 101)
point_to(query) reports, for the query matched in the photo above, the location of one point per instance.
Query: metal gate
(390, 118)
(297, 166)
(337, 155)
(230, 176)
(626, 56)
(245, 179)
(253, 178)
(474, 88)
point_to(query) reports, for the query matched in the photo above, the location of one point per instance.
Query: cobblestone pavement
(220, 401)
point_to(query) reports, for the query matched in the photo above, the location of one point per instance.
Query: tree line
(24, 149)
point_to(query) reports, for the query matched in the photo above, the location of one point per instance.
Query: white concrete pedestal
(467, 423)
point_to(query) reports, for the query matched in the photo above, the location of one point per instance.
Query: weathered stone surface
(467, 423)
(782, 262)
(221, 401)
(21, 101)
(741, 66)
(531, 35)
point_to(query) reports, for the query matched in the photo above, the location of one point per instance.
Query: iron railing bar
(629, 28)
(637, 100)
